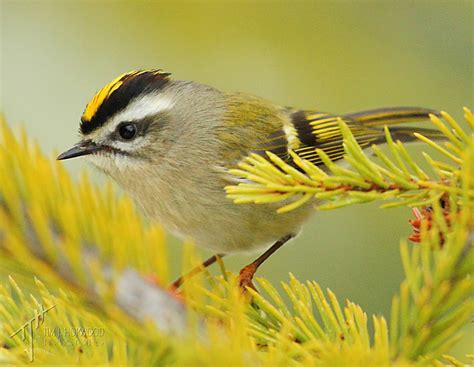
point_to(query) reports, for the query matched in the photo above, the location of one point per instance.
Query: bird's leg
(178, 282)
(247, 273)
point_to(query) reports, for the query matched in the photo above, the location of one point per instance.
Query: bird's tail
(391, 115)
(398, 115)
(405, 134)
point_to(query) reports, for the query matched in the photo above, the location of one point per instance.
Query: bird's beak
(85, 147)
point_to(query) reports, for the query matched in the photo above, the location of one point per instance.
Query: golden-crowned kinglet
(170, 144)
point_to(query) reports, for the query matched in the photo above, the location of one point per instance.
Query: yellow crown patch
(107, 90)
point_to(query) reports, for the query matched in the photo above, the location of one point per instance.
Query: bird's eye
(127, 131)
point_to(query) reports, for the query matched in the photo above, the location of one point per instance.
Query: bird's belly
(219, 224)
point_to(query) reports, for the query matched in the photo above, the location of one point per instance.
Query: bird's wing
(321, 130)
(254, 125)
(265, 127)
(308, 130)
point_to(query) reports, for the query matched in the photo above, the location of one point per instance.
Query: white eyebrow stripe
(142, 107)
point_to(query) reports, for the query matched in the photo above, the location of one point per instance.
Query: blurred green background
(337, 56)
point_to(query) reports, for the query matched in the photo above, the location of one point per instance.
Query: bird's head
(123, 120)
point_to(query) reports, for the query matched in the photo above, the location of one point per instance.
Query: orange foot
(245, 278)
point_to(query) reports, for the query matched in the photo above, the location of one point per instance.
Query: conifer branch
(84, 239)
(395, 179)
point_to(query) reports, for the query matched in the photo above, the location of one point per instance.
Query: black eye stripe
(143, 126)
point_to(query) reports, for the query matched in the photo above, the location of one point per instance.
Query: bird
(171, 143)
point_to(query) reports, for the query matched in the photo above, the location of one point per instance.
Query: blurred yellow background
(336, 56)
